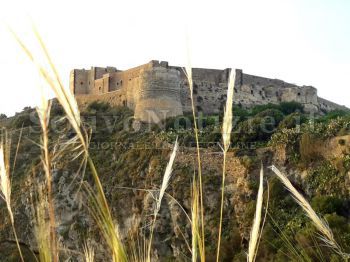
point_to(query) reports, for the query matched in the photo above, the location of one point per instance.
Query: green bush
(292, 120)
(333, 115)
(327, 204)
(57, 110)
(259, 128)
(24, 119)
(326, 180)
(291, 107)
(285, 107)
(98, 106)
(275, 114)
(260, 108)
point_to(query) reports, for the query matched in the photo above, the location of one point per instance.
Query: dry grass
(256, 228)
(5, 184)
(188, 72)
(99, 208)
(196, 248)
(67, 100)
(89, 253)
(44, 116)
(165, 183)
(226, 139)
(326, 234)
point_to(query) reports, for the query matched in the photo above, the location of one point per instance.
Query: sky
(298, 41)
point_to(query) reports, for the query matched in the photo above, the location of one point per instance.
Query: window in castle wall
(299, 94)
(252, 92)
(81, 83)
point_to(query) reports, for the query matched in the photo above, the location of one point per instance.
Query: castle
(155, 91)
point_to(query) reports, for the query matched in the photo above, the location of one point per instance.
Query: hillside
(314, 153)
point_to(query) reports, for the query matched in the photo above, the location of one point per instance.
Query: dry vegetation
(94, 194)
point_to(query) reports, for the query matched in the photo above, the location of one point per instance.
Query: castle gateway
(155, 91)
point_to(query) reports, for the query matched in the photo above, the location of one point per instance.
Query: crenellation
(156, 90)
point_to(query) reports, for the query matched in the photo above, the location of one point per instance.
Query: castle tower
(158, 96)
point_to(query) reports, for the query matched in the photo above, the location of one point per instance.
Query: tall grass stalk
(165, 183)
(196, 249)
(137, 247)
(89, 253)
(44, 116)
(70, 106)
(188, 73)
(321, 225)
(5, 186)
(42, 228)
(256, 228)
(226, 138)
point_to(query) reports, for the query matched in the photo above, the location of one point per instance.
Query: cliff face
(164, 90)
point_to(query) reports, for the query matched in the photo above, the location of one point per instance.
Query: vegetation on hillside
(135, 195)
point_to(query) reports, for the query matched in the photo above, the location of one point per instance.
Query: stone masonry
(155, 91)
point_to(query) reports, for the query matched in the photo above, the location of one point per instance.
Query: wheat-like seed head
(5, 183)
(165, 183)
(227, 122)
(256, 230)
(320, 224)
(166, 177)
(63, 95)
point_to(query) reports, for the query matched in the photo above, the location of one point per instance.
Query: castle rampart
(156, 90)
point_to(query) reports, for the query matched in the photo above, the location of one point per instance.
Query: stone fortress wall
(156, 90)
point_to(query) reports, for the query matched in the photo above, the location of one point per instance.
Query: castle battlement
(156, 90)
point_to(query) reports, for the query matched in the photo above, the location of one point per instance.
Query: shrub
(327, 204)
(259, 128)
(333, 115)
(240, 113)
(247, 162)
(292, 120)
(98, 106)
(285, 107)
(325, 179)
(24, 119)
(179, 122)
(275, 114)
(260, 108)
(291, 107)
(57, 110)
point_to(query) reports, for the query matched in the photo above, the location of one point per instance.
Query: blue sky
(303, 42)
